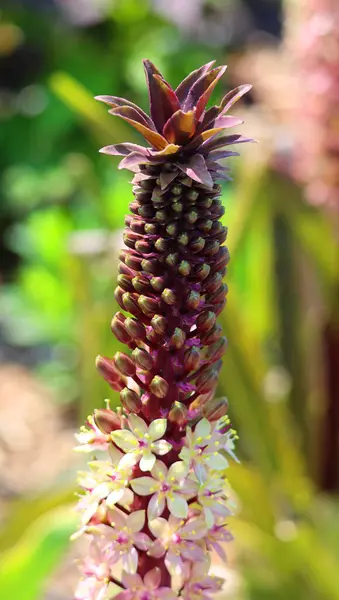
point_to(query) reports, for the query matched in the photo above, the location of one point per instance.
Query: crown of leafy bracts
(180, 128)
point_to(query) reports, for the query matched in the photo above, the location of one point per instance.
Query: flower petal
(136, 520)
(142, 541)
(203, 428)
(217, 461)
(114, 497)
(147, 461)
(157, 549)
(137, 425)
(161, 447)
(177, 470)
(159, 470)
(133, 118)
(196, 169)
(185, 86)
(158, 527)
(157, 429)
(152, 578)
(125, 440)
(177, 506)
(130, 561)
(144, 486)
(156, 506)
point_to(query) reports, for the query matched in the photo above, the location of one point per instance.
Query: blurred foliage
(60, 204)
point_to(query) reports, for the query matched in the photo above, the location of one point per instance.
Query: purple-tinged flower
(122, 537)
(96, 575)
(201, 450)
(177, 541)
(147, 588)
(91, 438)
(199, 585)
(216, 536)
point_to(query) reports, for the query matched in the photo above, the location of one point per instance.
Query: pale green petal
(136, 520)
(147, 462)
(178, 470)
(185, 455)
(156, 506)
(217, 461)
(125, 440)
(144, 486)
(157, 429)
(177, 506)
(159, 470)
(161, 447)
(114, 454)
(114, 497)
(203, 429)
(137, 425)
(158, 527)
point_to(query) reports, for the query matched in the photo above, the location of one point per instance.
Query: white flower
(211, 499)
(91, 438)
(167, 486)
(142, 442)
(201, 450)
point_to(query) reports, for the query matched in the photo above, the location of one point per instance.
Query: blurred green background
(62, 211)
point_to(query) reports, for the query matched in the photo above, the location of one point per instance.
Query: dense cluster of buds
(159, 500)
(315, 47)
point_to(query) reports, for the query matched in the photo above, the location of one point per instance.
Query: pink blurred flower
(146, 589)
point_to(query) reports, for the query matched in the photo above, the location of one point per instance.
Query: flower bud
(172, 229)
(216, 350)
(118, 328)
(169, 296)
(212, 247)
(177, 207)
(192, 359)
(178, 413)
(192, 194)
(144, 246)
(218, 295)
(202, 271)
(141, 284)
(149, 306)
(142, 359)
(130, 400)
(124, 364)
(159, 386)
(193, 300)
(150, 266)
(191, 216)
(211, 336)
(159, 324)
(132, 261)
(107, 369)
(106, 420)
(178, 338)
(215, 409)
(212, 283)
(151, 228)
(172, 259)
(146, 211)
(176, 189)
(136, 226)
(131, 304)
(204, 225)
(158, 283)
(184, 268)
(205, 382)
(162, 244)
(197, 244)
(205, 321)
(125, 282)
(135, 329)
(183, 238)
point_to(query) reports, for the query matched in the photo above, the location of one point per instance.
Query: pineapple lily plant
(156, 501)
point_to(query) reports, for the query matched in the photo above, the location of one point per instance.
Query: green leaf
(25, 567)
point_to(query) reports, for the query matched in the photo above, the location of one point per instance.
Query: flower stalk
(159, 501)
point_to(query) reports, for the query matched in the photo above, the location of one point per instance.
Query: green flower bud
(206, 320)
(158, 283)
(172, 259)
(130, 303)
(172, 229)
(202, 271)
(191, 216)
(197, 245)
(118, 328)
(149, 306)
(125, 282)
(178, 338)
(150, 265)
(192, 358)
(141, 284)
(184, 268)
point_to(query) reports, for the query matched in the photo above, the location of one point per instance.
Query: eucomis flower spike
(156, 498)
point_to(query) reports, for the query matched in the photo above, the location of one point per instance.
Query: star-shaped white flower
(142, 442)
(167, 486)
(201, 450)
